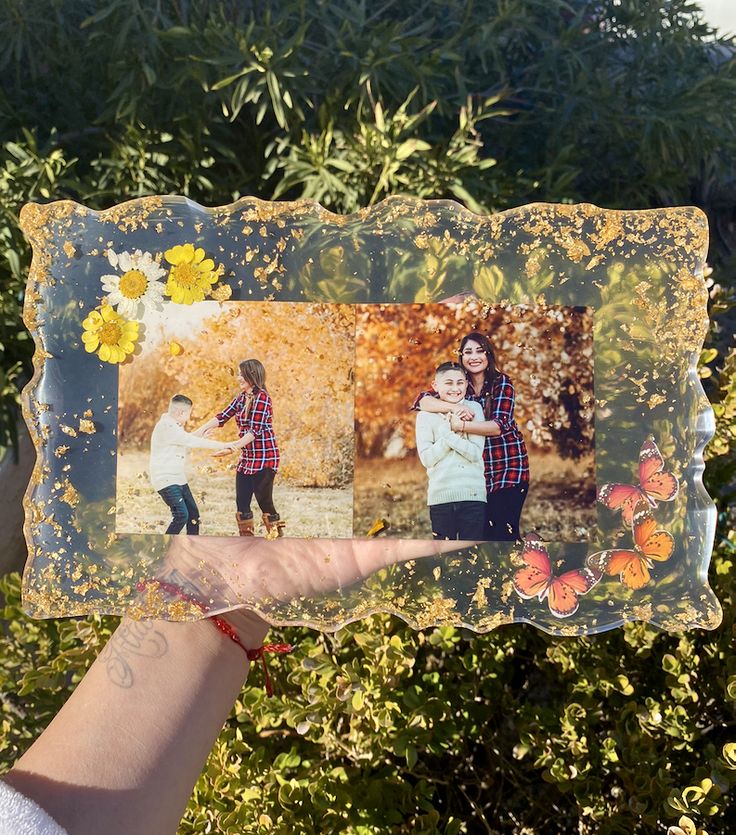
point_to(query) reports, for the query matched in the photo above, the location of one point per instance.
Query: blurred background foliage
(622, 103)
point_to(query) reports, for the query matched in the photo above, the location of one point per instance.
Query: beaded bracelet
(225, 628)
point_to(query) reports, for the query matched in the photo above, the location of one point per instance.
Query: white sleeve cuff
(19, 815)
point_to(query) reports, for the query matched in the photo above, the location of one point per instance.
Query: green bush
(380, 729)
(624, 103)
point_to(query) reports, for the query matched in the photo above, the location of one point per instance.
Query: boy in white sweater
(167, 469)
(456, 493)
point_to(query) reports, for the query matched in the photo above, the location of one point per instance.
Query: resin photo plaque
(458, 419)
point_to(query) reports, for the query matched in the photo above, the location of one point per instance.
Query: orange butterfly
(538, 580)
(654, 483)
(633, 566)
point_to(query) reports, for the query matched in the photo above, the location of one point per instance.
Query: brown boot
(276, 525)
(245, 526)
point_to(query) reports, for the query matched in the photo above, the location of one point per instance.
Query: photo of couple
(421, 421)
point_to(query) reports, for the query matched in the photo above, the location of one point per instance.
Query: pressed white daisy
(137, 286)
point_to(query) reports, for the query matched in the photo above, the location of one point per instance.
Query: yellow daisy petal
(130, 330)
(94, 320)
(207, 264)
(105, 353)
(107, 313)
(90, 346)
(198, 255)
(174, 255)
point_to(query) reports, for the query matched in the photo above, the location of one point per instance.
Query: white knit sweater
(170, 444)
(454, 460)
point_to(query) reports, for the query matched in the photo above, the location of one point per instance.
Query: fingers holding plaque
(458, 419)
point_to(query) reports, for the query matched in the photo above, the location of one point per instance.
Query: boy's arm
(467, 448)
(430, 451)
(188, 439)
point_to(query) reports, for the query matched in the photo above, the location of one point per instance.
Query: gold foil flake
(68, 430)
(61, 450)
(87, 426)
(377, 527)
(69, 249)
(655, 400)
(479, 595)
(70, 496)
(222, 292)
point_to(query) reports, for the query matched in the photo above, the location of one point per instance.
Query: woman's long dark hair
(253, 372)
(490, 373)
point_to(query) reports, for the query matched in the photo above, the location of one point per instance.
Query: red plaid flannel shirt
(504, 456)
(261, 452)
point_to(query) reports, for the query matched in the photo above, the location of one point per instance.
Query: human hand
(456, 422)
(462, 411)
(236, 575)
(221, 453)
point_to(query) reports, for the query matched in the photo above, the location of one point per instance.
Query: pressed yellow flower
(191, 276)
(109, 334)
(175, 349)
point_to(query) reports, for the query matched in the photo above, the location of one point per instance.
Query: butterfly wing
(651, 543)
(624, 496)
(534, 579)
(644, 526)
(531, 582)
(631, 567)
(565, 590)
(655, 483)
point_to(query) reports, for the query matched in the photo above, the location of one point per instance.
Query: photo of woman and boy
(453, 462)
(256, 468)
(443, 421)
(466, 437)
(213, 437)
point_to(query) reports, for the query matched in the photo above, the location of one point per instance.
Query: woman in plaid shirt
(259, 458)
(504, 454)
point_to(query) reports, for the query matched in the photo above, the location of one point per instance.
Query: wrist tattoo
(139, 638)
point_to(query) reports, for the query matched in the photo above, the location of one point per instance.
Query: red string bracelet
(225, 628)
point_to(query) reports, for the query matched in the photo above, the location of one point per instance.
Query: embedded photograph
(237, 420)
(475, 422)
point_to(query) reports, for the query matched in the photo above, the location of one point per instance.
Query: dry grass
(308, 511)
(560, 506)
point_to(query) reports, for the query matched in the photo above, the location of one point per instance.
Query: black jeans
(184, 509)
(259, 484)
(458, 520)
(503, 511)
